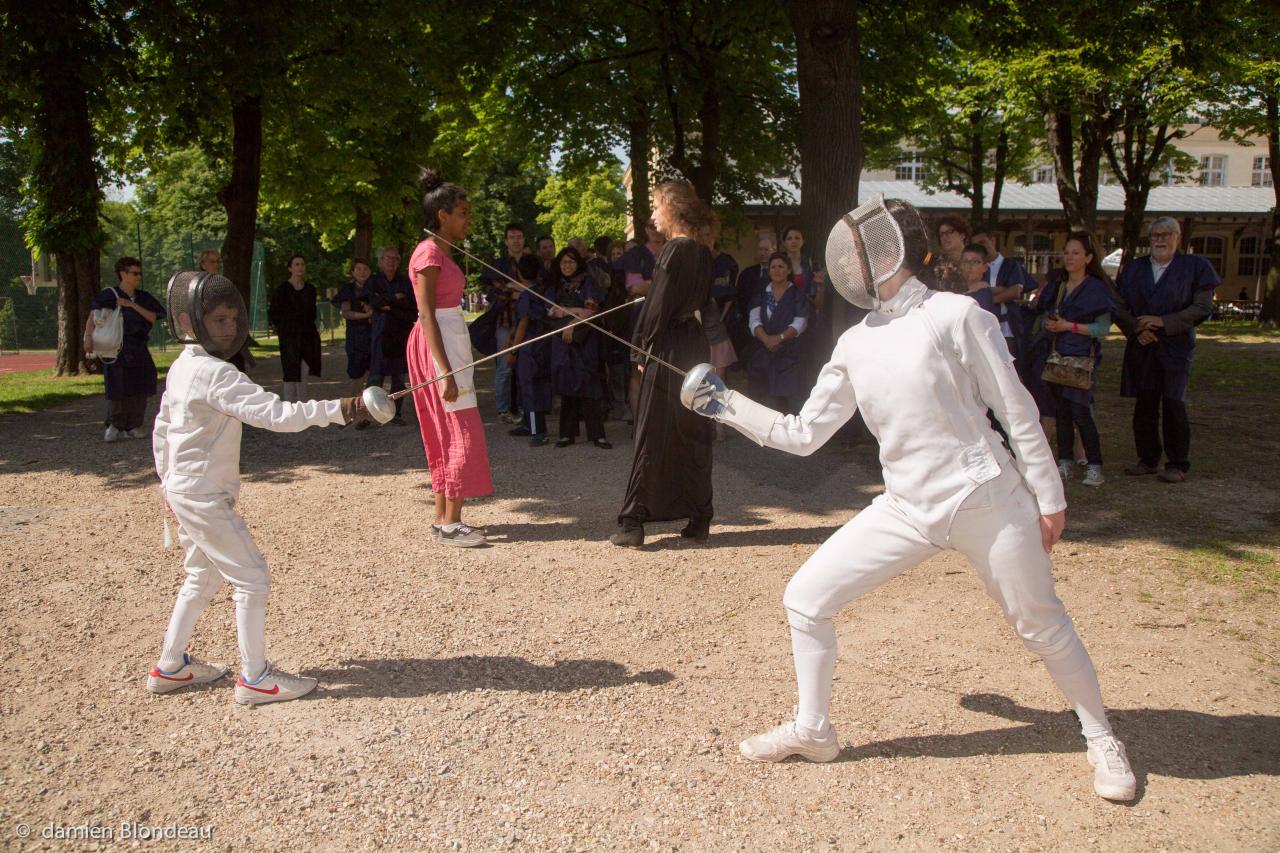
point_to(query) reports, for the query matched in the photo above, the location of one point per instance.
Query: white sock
(813, 648)
(169, 665)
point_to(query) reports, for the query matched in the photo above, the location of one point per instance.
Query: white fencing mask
(206, 309)
(864, 250)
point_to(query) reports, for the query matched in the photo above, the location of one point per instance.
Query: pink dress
(453, 437)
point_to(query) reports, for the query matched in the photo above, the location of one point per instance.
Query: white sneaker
(461, 536)
(190, 673)
(113, 435)
(1112, 777)
(1064, 469)
(136, 433)
(272, 686)
(789, 739)
(435, 533)
(1093, 476)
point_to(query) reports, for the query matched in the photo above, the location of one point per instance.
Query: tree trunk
(65, 176)
(79, 280)
(829, 74)
(638, 152)
(240, 195)
(1271, 296)
(364, 234)
(997, 187)
(1061, 141)
(706, 173)
(977, 164)
(1077, 188)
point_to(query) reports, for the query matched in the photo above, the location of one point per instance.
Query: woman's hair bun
(429, 179)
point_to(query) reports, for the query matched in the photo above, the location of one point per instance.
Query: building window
(1213, 248)
(1213, 170)
(1262, 171)
(911, 168)
(1039, 259)
(1255, 257)
(1043, 175)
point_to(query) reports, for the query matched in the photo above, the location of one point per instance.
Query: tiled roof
(1043, 198)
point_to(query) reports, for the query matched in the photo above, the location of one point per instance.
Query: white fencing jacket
(923, 370)
(196, 438)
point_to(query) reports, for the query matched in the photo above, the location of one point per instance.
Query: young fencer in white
(196, 442)
(923, 368)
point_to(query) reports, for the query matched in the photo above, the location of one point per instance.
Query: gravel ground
(555, 692)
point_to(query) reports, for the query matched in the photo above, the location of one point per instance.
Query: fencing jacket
(196, 438)
(923, 369)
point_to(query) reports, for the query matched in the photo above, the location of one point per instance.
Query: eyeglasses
(134, 271)
(1162, 235)
(947, 232)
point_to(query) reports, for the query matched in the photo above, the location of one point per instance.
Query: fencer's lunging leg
(217, 530)
(997, 532)
(872, 548)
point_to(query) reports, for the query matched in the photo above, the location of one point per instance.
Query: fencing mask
(864, 250)
(206, 309)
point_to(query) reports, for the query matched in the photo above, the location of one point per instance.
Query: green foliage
(505, 194)
(586, 204)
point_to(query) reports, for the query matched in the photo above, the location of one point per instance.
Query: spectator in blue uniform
(395, 310)
(778, 316)
(532, 362)
(577, 356)
(1010, 284)
(352, 300)
(1166, 295)
(131, 378)
(501, 315)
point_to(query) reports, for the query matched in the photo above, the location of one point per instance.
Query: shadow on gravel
(1162, 741)
(426, 677)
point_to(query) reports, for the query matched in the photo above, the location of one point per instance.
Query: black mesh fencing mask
(206, 309)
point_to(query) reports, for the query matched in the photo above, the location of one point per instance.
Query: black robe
(671, 471)
(293, 314)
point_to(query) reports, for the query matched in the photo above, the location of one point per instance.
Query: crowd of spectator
(769, 320)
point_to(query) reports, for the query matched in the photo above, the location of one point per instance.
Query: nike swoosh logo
(155, 673)
(273, 691)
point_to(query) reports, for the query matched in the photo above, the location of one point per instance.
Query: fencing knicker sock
(813, 647)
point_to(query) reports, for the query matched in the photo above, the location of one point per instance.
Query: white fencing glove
(705, 393)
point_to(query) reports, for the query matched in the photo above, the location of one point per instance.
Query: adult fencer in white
(923, 368)
(196, 442)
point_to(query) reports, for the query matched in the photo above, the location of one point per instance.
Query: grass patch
(1254, 569)
(35, 390)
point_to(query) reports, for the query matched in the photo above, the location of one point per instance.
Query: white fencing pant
(997, 529)
(218, 546)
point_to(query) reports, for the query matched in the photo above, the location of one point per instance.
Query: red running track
(35, 361)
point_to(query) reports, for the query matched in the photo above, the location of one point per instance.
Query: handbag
(108, 331)
(1073, 371)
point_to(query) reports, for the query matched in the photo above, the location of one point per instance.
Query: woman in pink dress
(452, 433)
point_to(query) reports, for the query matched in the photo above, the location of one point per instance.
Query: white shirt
(196, 438)
(1157, 270)
(925, 399)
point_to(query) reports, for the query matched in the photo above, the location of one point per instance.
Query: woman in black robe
(671, 471)
(292, 312)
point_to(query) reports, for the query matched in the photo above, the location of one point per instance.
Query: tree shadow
(1164, 741)
(394, 677)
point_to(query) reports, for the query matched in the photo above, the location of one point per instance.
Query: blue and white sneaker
(272, 686)
(190, 673)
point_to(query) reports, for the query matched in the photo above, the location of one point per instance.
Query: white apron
(457, 346)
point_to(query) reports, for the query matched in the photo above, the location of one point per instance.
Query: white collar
(909, 295)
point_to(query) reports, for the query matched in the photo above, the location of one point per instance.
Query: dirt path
(553, 692)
